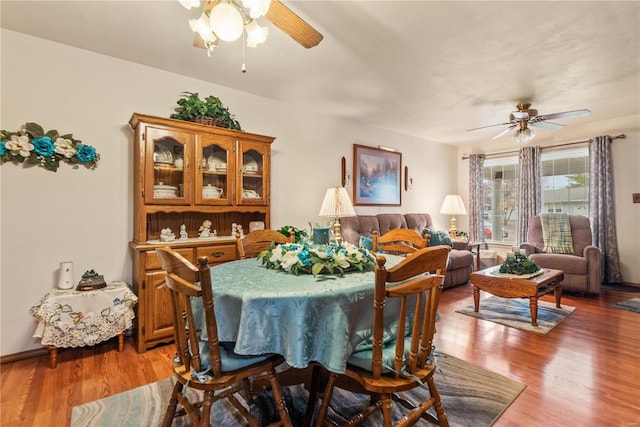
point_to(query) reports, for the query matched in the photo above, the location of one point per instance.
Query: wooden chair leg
(285, 420)
(173, 405)
(442, 417)
(205, 413)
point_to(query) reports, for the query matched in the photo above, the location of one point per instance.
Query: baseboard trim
(23, 355)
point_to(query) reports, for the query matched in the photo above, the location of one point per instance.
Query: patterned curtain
(529, 189)
(476, 197)
(602, 206)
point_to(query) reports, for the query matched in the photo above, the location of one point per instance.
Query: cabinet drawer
(216, 254)
(153, 263)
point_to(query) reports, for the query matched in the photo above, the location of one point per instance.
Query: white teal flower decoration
(31, 145)
(299, 258)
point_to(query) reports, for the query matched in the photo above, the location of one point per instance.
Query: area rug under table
(632, 304)
(472, 396)
(515, 312)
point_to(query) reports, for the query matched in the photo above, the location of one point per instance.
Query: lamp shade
(337, 203)
(453, 205)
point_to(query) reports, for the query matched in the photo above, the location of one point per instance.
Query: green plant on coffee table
(299, 235)
(518, 263)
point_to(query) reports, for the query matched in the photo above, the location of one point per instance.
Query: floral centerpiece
(32, 145)
(334, 258)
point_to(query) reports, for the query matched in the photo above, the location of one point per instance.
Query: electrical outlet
(636, 197)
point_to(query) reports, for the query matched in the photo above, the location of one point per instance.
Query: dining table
(314, 322)
(304, 318)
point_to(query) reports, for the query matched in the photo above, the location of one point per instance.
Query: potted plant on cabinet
(210, 111)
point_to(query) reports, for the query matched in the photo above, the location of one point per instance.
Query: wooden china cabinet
(185, 174)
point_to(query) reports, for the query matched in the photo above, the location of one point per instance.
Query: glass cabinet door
(167, 167)
(254, 173)
(215, 157)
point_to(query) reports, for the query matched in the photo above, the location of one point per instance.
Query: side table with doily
(71, 318)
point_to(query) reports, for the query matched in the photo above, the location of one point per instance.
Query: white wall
(86, 216)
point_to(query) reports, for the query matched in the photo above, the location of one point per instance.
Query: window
(565, 188)
(500, 214)
(565, 181)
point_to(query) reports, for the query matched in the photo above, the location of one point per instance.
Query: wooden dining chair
(390, 368)
(399, 241)
(202, 362)
(257, 241)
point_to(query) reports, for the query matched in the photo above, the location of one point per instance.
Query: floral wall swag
(33, 145)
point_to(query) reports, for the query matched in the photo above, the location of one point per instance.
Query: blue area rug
(515, 312)
(632, 304)
(472, 396)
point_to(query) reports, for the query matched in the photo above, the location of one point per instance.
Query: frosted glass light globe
(226, 22)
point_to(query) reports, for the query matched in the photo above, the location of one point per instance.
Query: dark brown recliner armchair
(583, 269)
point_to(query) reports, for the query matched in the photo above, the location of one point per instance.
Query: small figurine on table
(166, 235)
(205, 229)
(183, 232)
(91, 281)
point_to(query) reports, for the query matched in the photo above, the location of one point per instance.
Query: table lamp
(337, 204)
(453, 206)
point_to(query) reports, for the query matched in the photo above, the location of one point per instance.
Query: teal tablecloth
(300, 317)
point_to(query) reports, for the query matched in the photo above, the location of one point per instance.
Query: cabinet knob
(217, 254)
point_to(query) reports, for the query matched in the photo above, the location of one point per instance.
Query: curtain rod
(621, 136)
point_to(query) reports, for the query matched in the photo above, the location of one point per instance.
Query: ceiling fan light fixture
(203, 28)
(255, 33)
(226, 22)
(188, 4)
(523, 136)
(257, 8)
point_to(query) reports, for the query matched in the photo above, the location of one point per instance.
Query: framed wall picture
(376, 173)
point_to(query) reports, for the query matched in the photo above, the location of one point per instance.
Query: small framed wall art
(376, 174)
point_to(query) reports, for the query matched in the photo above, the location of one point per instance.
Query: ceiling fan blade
(504, 131)
(490, 126)
(199, 41)
(574, 113)
(547, 125)
(292, 25)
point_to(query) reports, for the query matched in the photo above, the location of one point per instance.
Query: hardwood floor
(586, 371)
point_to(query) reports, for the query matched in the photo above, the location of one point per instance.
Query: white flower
(341, 259)
(65, 147)
(289, 260)
(19, 145)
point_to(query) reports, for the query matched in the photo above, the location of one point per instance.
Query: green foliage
(519, 264)
(299, 235)
(190, 106)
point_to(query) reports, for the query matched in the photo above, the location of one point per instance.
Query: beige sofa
(459, 265)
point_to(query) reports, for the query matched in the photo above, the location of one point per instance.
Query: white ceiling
(423, 68)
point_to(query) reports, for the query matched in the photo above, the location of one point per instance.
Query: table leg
(316, 385)
(533, 307)
(557, 292)
(476, 298)
(121, 342)
(53, 356)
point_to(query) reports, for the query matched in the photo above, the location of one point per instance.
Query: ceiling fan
(525, 116)
(278, 14)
